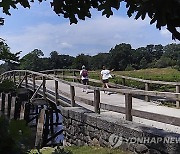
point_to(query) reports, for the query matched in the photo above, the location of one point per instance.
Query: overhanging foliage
(161, 12)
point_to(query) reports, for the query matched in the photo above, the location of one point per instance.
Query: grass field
(161, 74)
(157, 74)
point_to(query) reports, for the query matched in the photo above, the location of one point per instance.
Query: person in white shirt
(84, 77)
(105, 75)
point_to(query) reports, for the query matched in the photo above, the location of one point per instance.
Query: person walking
(105, 75)
(84, 78)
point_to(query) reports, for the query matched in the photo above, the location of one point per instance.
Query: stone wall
(83, 127)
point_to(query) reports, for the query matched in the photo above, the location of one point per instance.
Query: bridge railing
(37, 82)
(147, 83)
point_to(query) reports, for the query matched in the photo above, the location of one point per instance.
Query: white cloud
(164, 32)
(90, 36)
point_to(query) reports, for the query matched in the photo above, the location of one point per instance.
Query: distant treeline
(121, 57)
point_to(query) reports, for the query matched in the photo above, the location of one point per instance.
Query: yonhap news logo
(117, 140)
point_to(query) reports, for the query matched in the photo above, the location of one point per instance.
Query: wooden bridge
(52, 87)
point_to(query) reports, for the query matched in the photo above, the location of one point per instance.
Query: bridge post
(34, 82)
(72, 93)
(62, 74)
(46, 128)
(128, 106)
(13, 102)
(14, 77)
(97, 101)
(9, 75)
(22, 110)
(2, 103)
(147, 89)
(19, 77)
(7, 104)
(26, 81)
(44, 87)
(56, 91)
(177, 91)
(123, 82)
(74, 74)
(40, 126)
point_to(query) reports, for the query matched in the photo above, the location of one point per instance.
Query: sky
(40, 28)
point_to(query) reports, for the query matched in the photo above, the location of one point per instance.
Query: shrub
(7, 86)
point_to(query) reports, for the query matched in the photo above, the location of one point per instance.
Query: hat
(83, 67)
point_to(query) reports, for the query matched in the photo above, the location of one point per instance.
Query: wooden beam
(22, 111)
(21, 81)
(34, 82)
(128, 106)
(13, 102)
(2, 102)
(113, 108)
(56, 91)
(34, 95)
(97, 101)
(40, 127)
(147, 89)
(44, 87)
(6, 104)
(14, 77)
(72, 95)
(177, 91)
(157, 117)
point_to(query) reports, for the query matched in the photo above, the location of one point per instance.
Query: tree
(32, 60)
(120, 56)
(81, 60)
(11, 60)
(172, 51)
(161, 12)
(66, 61)
(54, 59)
(99, 60)
(5, 53)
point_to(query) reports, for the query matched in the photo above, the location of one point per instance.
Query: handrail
(149, 81)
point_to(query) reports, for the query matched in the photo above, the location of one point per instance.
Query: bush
(14, 136)
(8, 86)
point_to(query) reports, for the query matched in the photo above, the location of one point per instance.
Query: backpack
(84, 73)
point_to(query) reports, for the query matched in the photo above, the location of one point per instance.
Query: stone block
(90, 128)
(77, 113)
(65, 111)
(142, 149)
(90, 119)
(95, 142)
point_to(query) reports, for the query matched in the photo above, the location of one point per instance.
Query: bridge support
(40, 126)
(2, 102)
(72, 95)
(123, 82)
(12, 110)
(147, 89)
(128, 106)
(177, 91)
(97, 101)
